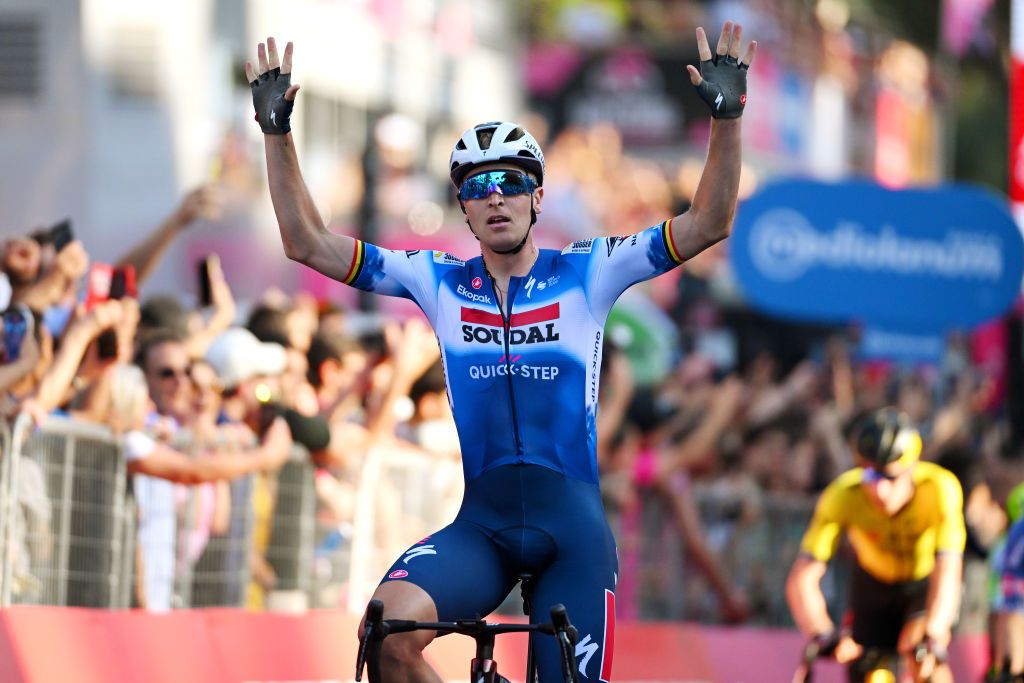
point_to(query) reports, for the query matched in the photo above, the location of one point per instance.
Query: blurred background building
(108, 111)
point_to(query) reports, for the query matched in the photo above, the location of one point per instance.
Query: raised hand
(722, 79)
(72, 260)
(205, 201)
(273, 94)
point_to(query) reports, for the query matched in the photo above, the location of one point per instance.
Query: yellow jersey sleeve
(829, 520)
(951, 533)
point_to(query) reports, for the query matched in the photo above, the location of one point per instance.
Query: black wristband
(273, 111)
(724, 86)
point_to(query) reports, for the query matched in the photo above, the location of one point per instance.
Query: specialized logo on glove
(724, 86)
(272, 109)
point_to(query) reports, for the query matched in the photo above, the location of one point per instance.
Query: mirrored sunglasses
(873, 475)
(505, 183)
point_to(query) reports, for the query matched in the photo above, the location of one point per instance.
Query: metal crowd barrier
(68, 522)
(293, 531)
(402, 496)
(6, 498)
(755, 542)
(332, 537)
(218, 577)
(66, 514)
(67, 525)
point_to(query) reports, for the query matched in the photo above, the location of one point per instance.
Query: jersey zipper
(506, 319)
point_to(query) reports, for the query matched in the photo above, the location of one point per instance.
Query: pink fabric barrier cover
(48, 644)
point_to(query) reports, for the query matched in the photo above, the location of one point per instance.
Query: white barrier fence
(68, 524)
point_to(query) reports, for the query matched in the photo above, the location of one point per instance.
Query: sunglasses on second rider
(873, 475)
(505, 183)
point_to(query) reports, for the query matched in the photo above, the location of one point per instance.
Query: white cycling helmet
(495, 141)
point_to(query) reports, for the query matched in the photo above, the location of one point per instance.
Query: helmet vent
(525, 153)
(483, 136)
(515, 134)
(461, 144)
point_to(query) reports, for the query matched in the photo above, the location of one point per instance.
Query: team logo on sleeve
(612, 243)
(580, 247)
(447, 259)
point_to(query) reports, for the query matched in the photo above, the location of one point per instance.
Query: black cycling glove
(724, 86)
(272, 109)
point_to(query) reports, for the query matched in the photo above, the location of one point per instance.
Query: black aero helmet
(496, 141)
(888, 436)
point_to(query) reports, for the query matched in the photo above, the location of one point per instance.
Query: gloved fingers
(703, 50)
(748, 56)
(275, 62)
(734, 41)
(261, 57)
(286, 62)
(723, 39)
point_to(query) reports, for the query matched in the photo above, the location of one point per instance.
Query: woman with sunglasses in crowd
(520, 331)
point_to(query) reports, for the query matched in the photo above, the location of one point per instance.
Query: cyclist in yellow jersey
(904, 520)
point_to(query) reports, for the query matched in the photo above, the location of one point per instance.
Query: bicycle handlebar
(376, 629)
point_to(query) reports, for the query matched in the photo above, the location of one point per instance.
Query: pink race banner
(54, 645)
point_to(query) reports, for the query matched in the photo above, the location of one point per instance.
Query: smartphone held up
(105, 282)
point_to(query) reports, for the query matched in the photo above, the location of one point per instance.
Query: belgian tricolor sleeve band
(357, 263)
(670, 247)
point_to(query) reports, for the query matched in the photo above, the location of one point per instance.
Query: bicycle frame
(483, 668)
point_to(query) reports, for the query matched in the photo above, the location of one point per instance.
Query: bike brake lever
(568, 658)
(374, 616)
(361, 654)
(566, 634)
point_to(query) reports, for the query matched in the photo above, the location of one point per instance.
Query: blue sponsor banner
(901, 347)
(923, 260)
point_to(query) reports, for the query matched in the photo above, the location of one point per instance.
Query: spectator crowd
(717, 426)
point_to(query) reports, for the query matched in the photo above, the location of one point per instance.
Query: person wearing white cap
(238, 356)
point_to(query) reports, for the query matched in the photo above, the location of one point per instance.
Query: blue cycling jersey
(523, 381)
(1012, 570)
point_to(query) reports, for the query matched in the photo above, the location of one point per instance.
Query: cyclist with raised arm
(904, 520)
(520, 331)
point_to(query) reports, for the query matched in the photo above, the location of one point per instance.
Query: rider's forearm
(297, 216)
(714, 202)
(943, 596)
(806, 601)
